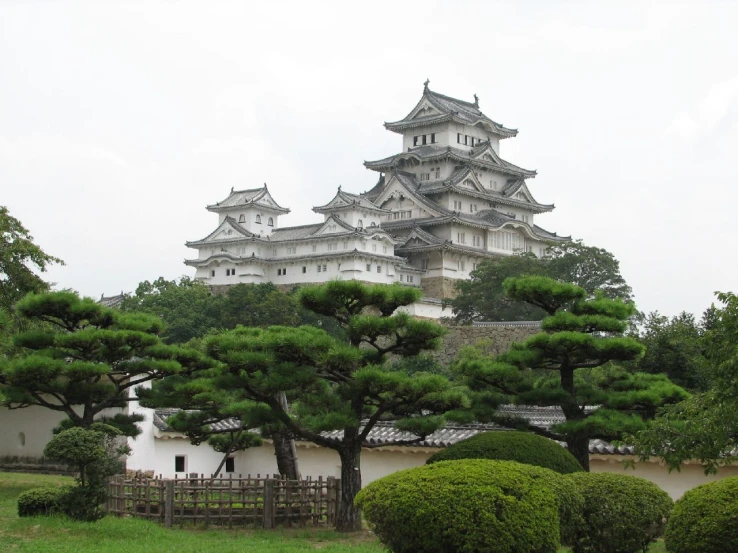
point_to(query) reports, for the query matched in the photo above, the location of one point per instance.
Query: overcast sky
(120, 121)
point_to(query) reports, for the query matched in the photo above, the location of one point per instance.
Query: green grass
(129, 535)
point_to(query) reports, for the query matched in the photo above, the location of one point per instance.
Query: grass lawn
(128, 535)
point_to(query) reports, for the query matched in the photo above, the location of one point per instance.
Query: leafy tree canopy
(569, 365)
(705, 426)
(674, 347)
(333, 384)
(190, 311)
(19, 256)
(483, 298)
(87, 359)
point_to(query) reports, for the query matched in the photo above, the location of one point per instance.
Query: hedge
(463, 506)
(705, 519)
(503, 445)
(41, 501)
(622, 514)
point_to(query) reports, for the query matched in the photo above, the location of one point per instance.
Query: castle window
(461, 237)
(315, 248)
(457, 205)
(279, 272)
(230, 465)
(284, 271)
(304, 269)
(458, 138)
(424, 264)
(402, 277)
(325, 268)
(258, 219)
(384, 249)
(424, 176)
(374, 247)
(320, 268)
(424, 139)
(242, 218)
(180, 463)
(212, 273)
(524, 218)
(360, 224)
(410, 279)
(270, 222)
(466, 140)
(415, 140)
(433, 138)
(379, 268)
(345, 245)
(438, 172)
(460, 265)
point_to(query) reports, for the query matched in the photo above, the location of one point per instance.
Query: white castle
(443, 204)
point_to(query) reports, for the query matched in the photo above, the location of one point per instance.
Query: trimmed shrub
(622, 514)
(41, 501)
(522, 447)
(704, 519)
(463, 506)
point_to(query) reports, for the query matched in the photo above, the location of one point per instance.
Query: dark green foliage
(41, 501)
(463, 506)
(703, 426)
(704, 519)
(521, 447)
(622, 514)
(330, 383)
(96, 454)
(569, 365)
(483, 298)
(18, 257)
(86, 358)
(190, 311)
(674, 347)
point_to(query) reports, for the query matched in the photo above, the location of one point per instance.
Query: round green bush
(41, 501)
(522, 447)
(463, 506)
(622, 514)
(705, 519)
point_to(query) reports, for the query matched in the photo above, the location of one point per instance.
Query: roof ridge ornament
(426, 83)
(476, 101)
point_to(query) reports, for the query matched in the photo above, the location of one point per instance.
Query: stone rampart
(496, 338)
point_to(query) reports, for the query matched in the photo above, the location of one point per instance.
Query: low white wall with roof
(675, 483)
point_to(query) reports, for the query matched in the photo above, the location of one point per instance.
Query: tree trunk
(349, 516)
(284, 447)
(284, 451)
(579, 447)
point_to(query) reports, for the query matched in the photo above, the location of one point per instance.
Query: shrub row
(466, 499)
(41, 501)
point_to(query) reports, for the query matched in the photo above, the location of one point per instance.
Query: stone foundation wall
(37, 465)
(439, 287)
(495, 339)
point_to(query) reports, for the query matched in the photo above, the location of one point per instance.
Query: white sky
(120, 121)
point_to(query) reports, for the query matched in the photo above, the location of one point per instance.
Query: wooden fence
(242, 501)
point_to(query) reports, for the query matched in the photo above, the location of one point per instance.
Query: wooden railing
(230, 501)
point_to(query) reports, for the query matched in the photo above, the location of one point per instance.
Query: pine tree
(570, 365)
(331, 384)
(86, 359)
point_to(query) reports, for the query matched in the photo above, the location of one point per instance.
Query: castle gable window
(270, 222)
(258, 219)
(242, 218)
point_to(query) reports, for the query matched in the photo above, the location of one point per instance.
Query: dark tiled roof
(243, 198)
(343, 200)
(431, 152)
(449, 109)
(112, 301)
(385, 433)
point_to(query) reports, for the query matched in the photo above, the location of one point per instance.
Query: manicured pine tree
(331, 384)
(86, 358)
(570, 365)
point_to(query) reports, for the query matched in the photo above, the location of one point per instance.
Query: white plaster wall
(427, 310)
(674, 483)
(36, 423)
